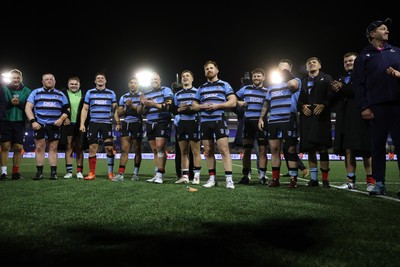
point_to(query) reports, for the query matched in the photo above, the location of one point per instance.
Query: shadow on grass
(272, 242)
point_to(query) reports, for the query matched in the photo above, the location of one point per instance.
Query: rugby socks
(275, 173)
(4, 169)
(211, 173)
(351, 176)
(325, 175)
(262, 172)
(79, 168)
(228, 176)
(39, 169)
(314, 173)
(110, 163)
(121, 169)
(136, 168)
(68, 168)
(92, 164)
(370, 179)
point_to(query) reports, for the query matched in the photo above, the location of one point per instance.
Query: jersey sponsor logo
(256, 99)
(100, 102)
(210, 95)
(278, 93)
(49, 104)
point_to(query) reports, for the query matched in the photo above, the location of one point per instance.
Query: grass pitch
(103, 223)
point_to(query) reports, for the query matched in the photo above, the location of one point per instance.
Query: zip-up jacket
(373, 86)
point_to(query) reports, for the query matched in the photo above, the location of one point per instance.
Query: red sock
(15, 169)
(275, 172)
(79, 169)
(121, 169)
(92, 164)
(370, 179)
(325, 175)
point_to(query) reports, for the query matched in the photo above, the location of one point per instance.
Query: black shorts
(50, 131)
(71, 130)
(251, 131)
(98, 131)
(210, 130)
(13, 131)
(287, 131)
(132, 129)
(188, 131)
(160, 129)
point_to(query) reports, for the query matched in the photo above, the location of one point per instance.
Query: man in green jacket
(12, 132)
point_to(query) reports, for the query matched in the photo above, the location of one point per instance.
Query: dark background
(119, 40)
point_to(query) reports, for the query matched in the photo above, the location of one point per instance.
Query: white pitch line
(352, 190)
(360, 192)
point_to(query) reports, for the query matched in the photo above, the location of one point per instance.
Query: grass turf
(103, 223)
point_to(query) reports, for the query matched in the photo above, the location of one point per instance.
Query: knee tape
(291, 157)
(108, 144)
(324, 156)
(93, 141)
(248, 146)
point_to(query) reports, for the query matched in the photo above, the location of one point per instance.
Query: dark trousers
(386, 121)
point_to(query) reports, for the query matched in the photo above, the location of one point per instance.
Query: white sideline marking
(360, 192)
(352, 190)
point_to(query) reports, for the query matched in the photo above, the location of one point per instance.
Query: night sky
(82, 42)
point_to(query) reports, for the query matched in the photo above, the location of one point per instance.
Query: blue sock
(314, 173)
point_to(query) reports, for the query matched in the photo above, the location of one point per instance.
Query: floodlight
(275, 77)
(6, 77)
(144, 78)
